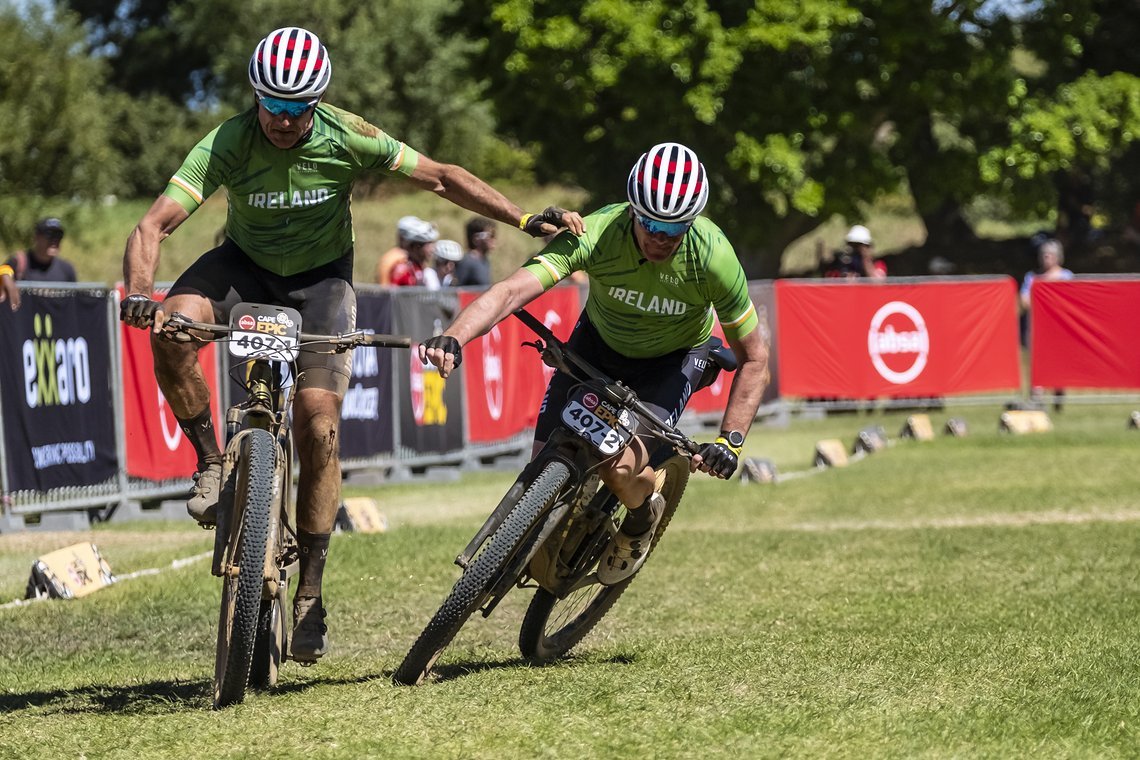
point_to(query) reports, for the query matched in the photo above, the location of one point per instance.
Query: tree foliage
(392, 64)
(56, 141)
(799, 109)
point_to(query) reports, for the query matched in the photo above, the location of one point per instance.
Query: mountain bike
(255, 547)
(556, 521)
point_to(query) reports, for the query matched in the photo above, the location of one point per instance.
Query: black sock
(638, 520)
(314, 551)
(199, 430)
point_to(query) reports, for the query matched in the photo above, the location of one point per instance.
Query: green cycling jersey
(643, 308)
(289, 209)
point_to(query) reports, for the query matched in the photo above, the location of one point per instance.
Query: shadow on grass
(154, 697)
(454, 670)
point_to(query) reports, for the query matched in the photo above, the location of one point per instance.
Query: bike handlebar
(179, 325)
(560, 353)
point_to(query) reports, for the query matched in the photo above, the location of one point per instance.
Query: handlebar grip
(387, 341)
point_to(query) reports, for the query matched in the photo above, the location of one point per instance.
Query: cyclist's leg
(205, 292)
(328, 305)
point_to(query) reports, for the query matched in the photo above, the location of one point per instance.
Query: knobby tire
(253, 502)
(553, 626)
(481, 574)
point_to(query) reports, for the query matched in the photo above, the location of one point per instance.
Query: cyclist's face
(283, 130)
(655, 247)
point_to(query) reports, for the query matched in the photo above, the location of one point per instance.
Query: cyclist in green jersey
(289, 164)
(657, 273)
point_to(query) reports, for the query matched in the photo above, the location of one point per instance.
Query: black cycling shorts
(324, 297)
(663, 383)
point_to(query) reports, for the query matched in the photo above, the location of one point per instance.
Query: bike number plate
(264, 332)
(606, 437)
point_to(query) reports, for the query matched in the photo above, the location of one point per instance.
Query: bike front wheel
(482, 573)
(243, 577)
(554, 625)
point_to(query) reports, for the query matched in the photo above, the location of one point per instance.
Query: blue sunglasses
(278, 106)
(671, 229)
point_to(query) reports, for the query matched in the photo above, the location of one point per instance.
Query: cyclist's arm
(748, 383)
(140, 261)
(493, 306)
(464, 189)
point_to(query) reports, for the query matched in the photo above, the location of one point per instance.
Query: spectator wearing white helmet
(289, 163)
(397, 253)
(417, 268)
(857, 258)
(658, 273)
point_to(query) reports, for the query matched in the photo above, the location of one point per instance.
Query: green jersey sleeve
(644, 308)
(289, 209)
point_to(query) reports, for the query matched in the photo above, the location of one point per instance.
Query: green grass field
(965, 597)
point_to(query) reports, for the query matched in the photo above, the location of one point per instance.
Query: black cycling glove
(720, 457)
(138, 310)
(532, 223)
(448, 344)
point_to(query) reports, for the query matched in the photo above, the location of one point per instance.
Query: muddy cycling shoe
(204, 494)
(310, 634)
(627, 553)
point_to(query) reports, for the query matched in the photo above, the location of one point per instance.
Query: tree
(392, 64)
(56, 142)
(798, 109)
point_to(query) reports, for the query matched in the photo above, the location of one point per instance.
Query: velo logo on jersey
(57, 371)
(898, 342)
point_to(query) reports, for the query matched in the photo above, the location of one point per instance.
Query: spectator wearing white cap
(857, 259)
(447, 254)
(419, 238)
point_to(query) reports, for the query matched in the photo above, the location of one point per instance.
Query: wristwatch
(734, 437)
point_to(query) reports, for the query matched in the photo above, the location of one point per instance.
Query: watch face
(735, 438)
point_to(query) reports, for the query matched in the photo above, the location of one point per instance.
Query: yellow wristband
(523, 221)
(724, 442)
(7, 270)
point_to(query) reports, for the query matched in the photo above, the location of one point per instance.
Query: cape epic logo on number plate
(898, 342)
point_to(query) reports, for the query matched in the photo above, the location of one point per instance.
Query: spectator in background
(8, 290)
(475, 267)
(42, 262)
(416, 268)
(448, 253)
(857, 258)
(1050, 257)
(399, 252)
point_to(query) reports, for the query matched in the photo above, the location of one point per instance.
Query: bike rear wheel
(553, 626)
(241, 593)
(482, 574)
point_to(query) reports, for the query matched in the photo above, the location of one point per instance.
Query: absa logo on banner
(898, 342)
(493, 372)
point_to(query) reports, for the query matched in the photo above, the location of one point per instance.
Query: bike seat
(721, 355)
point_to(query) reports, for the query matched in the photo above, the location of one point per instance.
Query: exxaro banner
(59, 427)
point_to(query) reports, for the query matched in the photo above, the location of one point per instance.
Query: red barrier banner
(505, 381)
(1082, 334)
(856, 340)
(156, 447)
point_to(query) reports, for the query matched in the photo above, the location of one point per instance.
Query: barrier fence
(85, 426)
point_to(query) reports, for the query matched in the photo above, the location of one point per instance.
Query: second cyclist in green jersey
(658, 271)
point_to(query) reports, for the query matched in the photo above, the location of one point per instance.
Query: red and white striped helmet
(290, 63)
(668, 184)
